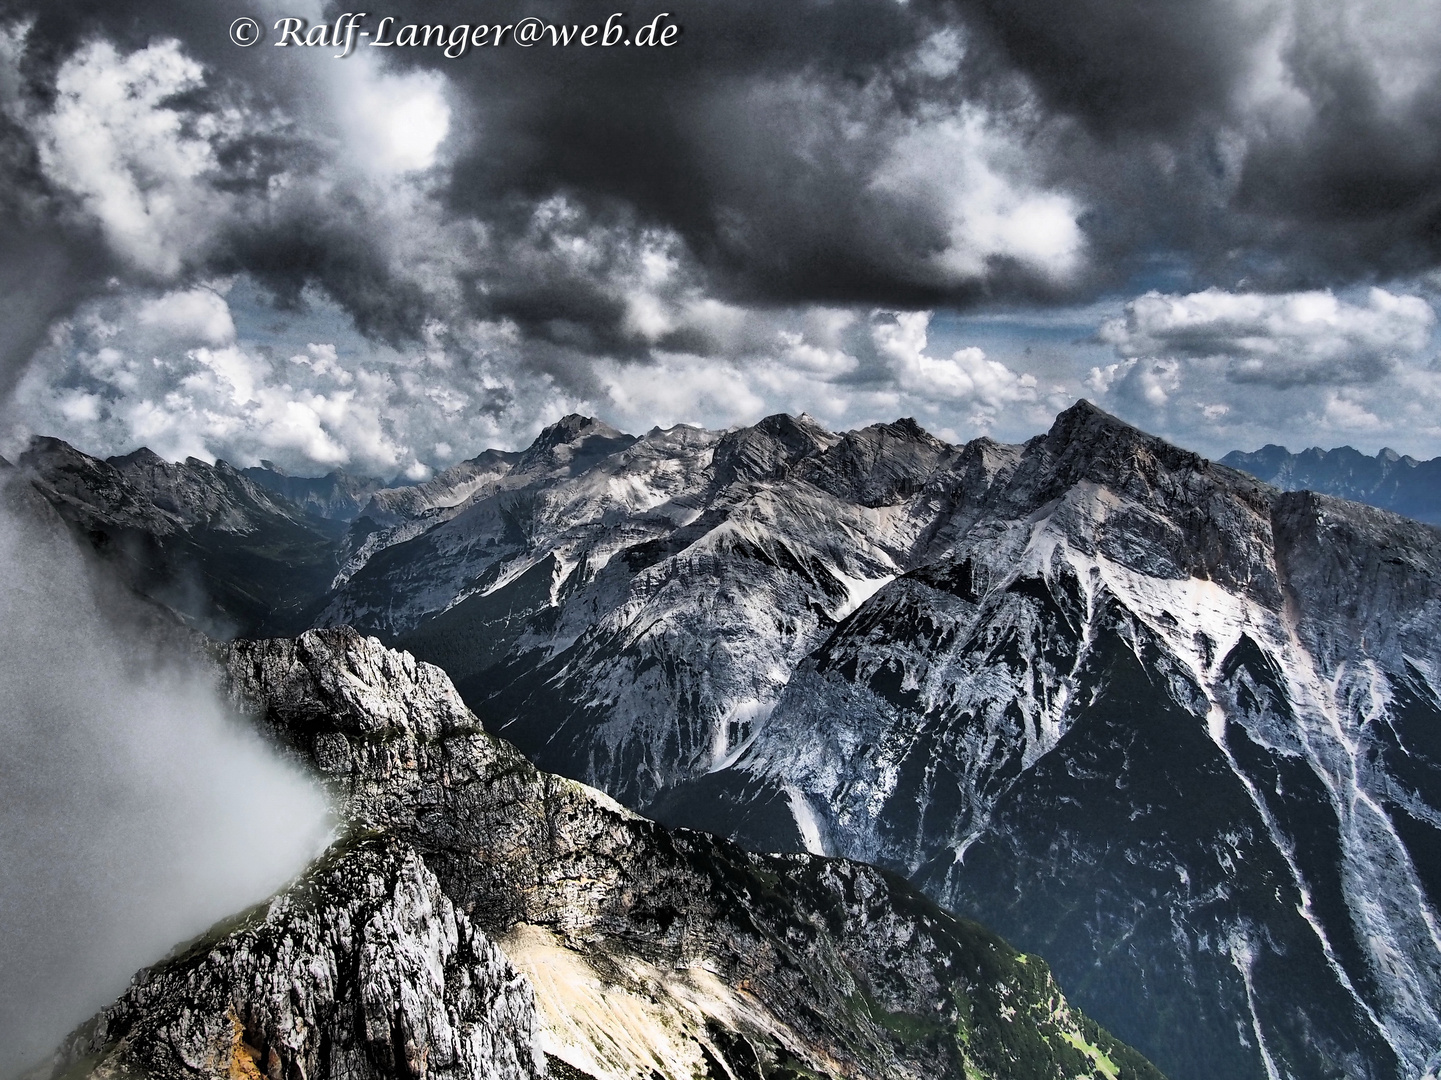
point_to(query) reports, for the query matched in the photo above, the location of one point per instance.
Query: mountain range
(1151, 719)
(1392, 481)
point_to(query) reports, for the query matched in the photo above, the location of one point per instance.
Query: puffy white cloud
(172, 373)
(1146, 383)
(133, 161)
(967, 378)
(976, 175)
(1218, 371)
(680, 390)
(396, 122)
(1283, 340)
(802, 354)
(201, 314)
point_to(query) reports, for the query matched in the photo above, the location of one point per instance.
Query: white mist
(134, 810)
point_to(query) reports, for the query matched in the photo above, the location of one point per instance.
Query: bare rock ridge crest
(481, 918)
(1391, 481)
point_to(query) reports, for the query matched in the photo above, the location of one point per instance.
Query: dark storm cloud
(42, 277)
(779, 153)
(1362, 182)
(45, 267)
(756, 142)
(734, 140)
(1128, 68)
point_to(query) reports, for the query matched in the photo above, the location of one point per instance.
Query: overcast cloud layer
(1220, 219)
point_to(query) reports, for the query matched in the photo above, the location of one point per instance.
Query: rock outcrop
(363, 970)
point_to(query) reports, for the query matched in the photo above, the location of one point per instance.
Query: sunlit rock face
(362, 969)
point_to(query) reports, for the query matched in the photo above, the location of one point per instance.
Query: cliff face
(362, 969)
(467, 878)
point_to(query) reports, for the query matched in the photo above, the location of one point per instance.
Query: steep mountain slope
(1389, 480)
(205, 540)
(677, 569)
(394, 515)
(1168, 729)
(1155, 720)
(651, 953)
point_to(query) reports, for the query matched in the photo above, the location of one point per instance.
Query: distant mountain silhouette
(1389, 480)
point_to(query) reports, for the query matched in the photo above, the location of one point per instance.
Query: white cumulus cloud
(201, 314)
(135, 164)
(977, 178)
(965, 378)
(1285, 339)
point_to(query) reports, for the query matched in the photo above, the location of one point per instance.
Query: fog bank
(135, 811)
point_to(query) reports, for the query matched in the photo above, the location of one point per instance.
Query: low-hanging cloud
(1282, 340)
(136, 812)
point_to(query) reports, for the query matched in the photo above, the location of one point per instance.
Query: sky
(1217, 219)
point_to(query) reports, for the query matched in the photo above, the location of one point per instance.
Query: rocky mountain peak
(79, 485)
(334, 685)
(879, 465)
(1084, 435)
(44, 452)
(907, 427)
(570, 428)
(203, 539)
(573, 443)
(196, 492)
(1087, 445)
(144, 458)
(769, 448)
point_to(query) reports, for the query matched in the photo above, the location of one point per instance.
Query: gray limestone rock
(363, 970)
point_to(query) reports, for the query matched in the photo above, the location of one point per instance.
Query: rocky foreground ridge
(481, 918)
